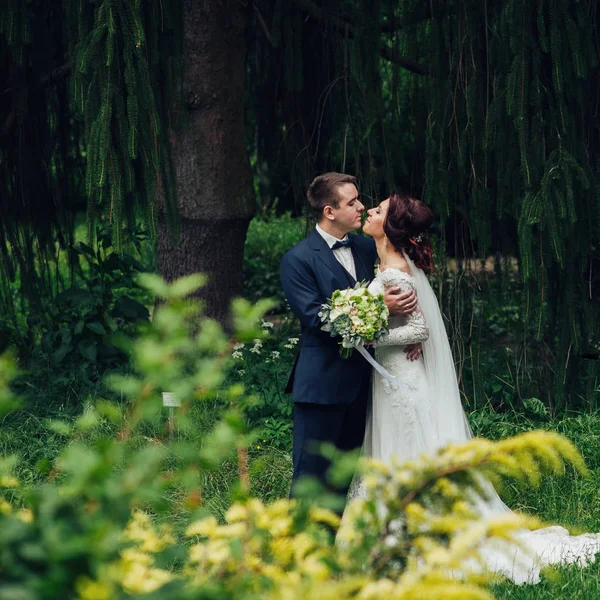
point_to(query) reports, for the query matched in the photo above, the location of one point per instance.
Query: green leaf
(125, 385)
(109, 410)
(77, 297)
(112, 263)
(220, 444)
(58, 426)
(130, 309)
(96, 327)
(153, 283)
(58, 356)
(246, 317)
(112, 325)
(87, 349)
(237, 549)
(184, 286)
(31, 552)
(535, 406)
(82, 248)
(48, 341)
(88, 420)
(80, 463)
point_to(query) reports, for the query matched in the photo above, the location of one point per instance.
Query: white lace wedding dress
(400, 421)
(426, 414)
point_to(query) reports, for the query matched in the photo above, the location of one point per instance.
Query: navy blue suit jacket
(310, 274)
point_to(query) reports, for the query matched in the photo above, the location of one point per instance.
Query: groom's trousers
(342, 425)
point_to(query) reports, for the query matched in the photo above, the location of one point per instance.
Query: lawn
(570, 500)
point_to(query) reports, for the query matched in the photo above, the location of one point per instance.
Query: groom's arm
(301, 290)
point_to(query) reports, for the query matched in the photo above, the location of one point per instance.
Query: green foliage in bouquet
(104, 526)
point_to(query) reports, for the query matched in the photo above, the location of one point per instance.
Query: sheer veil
(521, 561)
(536, 549)
(448, 415)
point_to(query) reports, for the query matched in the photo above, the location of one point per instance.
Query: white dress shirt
(343, 255)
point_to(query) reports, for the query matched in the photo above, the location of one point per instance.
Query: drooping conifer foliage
(486, 109)
(86, 87)
(125, 56)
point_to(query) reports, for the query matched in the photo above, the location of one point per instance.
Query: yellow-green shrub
(93, 531)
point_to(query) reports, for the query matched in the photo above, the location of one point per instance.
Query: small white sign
(170, 399)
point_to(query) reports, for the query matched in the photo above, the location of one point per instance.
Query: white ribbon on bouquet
(394, 381)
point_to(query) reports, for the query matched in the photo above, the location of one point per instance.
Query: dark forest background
(147, 136)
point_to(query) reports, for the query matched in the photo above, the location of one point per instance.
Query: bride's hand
(400, 303)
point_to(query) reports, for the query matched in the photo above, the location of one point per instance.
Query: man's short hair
(323, 191)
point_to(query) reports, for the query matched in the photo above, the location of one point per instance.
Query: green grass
(570, 583)
(573, 502)
(37, 444)
(570, 500)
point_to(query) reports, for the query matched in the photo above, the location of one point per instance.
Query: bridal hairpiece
(418, 238)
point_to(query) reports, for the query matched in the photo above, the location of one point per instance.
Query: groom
(330, 393)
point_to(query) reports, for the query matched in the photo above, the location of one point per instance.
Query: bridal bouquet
(356, 315)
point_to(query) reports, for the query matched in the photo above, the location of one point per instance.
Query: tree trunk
(214, 180)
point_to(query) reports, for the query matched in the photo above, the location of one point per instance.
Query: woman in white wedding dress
(425, 413)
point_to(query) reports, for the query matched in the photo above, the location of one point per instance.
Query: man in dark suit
(330, 393)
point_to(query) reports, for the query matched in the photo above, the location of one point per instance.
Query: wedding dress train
(426, 414)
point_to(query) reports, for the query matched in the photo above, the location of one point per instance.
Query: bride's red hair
(408, 218)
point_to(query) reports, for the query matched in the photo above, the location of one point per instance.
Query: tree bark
(214, 180)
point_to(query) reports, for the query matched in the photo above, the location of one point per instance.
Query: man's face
(348, 213)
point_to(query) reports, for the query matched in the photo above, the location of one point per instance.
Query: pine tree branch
(347, 29)
(48, 79)
(45, 81)
(263, 25)
(424, 13)
(56, 75)
(406, 63)
(315, 11)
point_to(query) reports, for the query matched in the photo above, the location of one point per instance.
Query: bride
(425, 413)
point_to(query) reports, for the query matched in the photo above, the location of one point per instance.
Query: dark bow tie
(347, 243)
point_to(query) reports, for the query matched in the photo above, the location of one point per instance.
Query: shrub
(266, 243)
(68, 345)
(263, 367)
(93, 531)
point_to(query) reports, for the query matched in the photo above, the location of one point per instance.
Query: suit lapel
(325, 255)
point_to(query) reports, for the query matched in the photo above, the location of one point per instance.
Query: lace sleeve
(411, 329)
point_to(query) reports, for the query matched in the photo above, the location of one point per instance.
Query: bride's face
(376, 218)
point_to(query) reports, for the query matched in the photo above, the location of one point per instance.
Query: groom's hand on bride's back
(398, 302)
